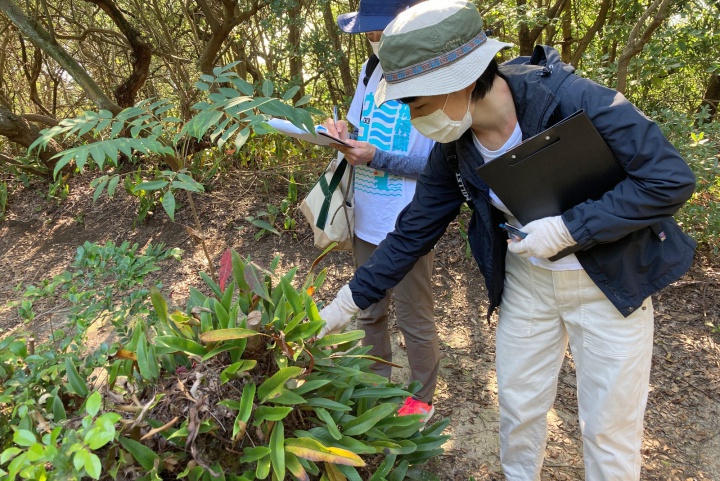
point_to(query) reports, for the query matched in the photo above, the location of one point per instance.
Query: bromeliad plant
(267, 398)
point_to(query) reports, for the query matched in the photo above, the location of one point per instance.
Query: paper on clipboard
(322, 138)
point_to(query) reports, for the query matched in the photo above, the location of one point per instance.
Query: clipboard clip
(532, 146)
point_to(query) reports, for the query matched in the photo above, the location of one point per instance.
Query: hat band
(437, 62)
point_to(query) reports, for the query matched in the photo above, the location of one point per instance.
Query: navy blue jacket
(630, 245)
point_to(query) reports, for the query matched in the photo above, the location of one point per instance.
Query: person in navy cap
(389, 155)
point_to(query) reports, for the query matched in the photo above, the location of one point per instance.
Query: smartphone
(515, 233)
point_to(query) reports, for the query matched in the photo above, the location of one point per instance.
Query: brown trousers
(414, 316)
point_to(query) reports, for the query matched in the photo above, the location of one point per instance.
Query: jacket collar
(533, 88)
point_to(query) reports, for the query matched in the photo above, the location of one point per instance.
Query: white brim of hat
(443, 80)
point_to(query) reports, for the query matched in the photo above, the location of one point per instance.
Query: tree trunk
(637, 39)
(592, 31)
(45, 41)
(296, 61)
(22, 132)
(221, 28)
(348, 83)
(525, 43)
(126, 92)
(567, 34)
(711, 98)
(527, 37)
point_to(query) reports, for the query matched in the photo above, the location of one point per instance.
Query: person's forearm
(410, 166)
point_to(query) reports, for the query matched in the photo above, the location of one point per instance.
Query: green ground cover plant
(234, 385)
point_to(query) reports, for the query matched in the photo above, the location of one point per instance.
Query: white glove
(339, 312)
(545, 238)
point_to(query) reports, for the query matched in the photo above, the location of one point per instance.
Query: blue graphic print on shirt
(388, 128)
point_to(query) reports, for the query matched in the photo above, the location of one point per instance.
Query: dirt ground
(38, 239)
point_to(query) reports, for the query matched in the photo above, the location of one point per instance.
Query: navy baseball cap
(372, 15)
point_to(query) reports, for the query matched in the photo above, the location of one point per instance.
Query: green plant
(265, 219)
(58, 189)
(104, 281)
(149, 131)
(698, 141)
(235, 383)
(464, 212)
(68, 451)
(258, 220)
(3, 198)
(306, 406)
(43, 386)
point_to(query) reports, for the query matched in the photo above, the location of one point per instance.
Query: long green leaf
(238, 270)
(255, 282)
(312, 450)
(99, 189)
(252, 454)
(142, 358)
(379, 392)
(168, 344)
(291, 295)
(77, 384)
(58, 409)
(145, 456)
(295, 468)
(168, 203)
(329, 422)
(368, 419)
(112, 185)
(227, 334)
(328, 404)
(159, 304)
(271, 413)
(277, 450)
(342, 338)
(273, 386)
(384, 468)
(242, 366)
(151, 185)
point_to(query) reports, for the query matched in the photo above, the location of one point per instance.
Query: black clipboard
(334, 139)
(553, 171)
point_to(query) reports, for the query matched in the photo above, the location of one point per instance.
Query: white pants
(541, 311)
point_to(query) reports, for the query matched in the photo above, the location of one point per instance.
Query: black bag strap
(327, 190)
(372, 63)
(450, 151)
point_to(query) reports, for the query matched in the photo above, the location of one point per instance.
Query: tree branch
(44, 40)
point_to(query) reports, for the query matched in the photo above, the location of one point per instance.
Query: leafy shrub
(698, 141)
(233, 386)
(149, 132)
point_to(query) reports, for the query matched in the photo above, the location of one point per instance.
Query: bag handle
(327, 190)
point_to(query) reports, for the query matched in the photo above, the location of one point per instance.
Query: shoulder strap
(372, 63)
(450, 151)
(327, 189)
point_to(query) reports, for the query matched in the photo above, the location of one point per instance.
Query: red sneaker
(415, 406)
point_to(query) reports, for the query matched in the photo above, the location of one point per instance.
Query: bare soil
(38, 239)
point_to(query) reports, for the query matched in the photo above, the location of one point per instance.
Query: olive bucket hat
(436, 47)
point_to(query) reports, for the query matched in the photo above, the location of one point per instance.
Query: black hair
(486, 80)
(482, 84)
(407, 100)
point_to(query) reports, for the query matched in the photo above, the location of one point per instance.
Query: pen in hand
(335, 118)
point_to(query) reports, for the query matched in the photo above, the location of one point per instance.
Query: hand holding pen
(335, 127)
(356, 152)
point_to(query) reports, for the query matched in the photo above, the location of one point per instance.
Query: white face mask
(439, 127)
(375, 46)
